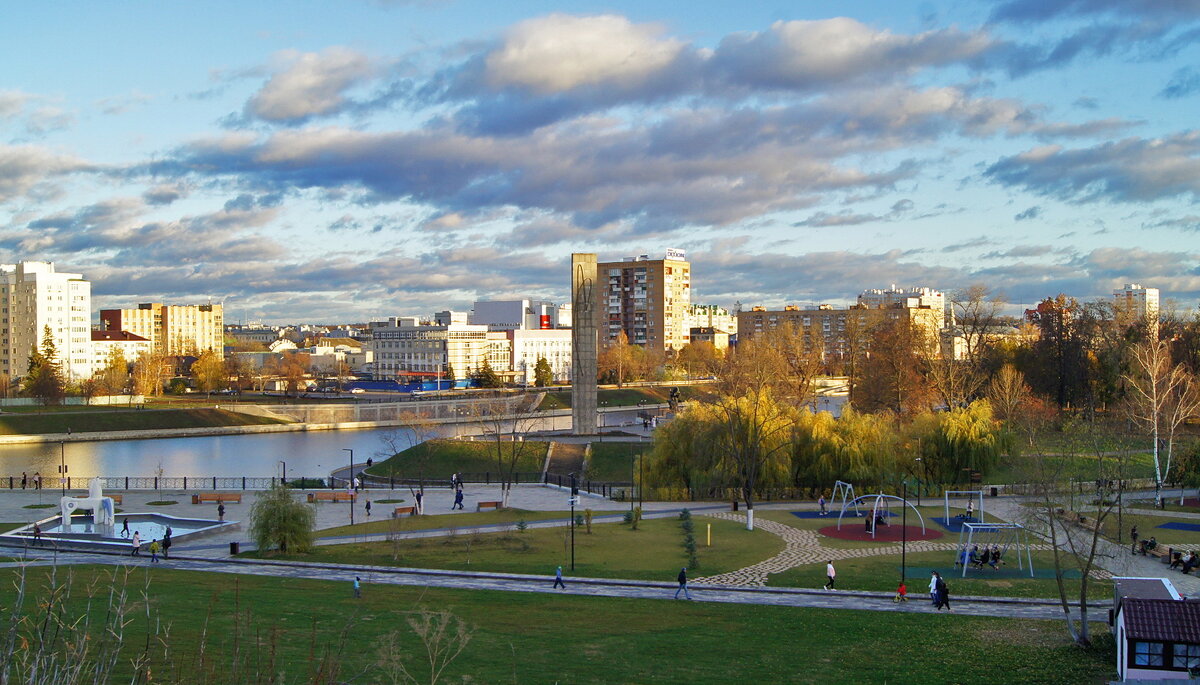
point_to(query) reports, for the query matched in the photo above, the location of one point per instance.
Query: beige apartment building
(34, 297)
(647, 299)
(175, 330)
(834, 328)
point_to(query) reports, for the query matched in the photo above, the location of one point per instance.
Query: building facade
(1140, 302)
(401, 350)
(712, 316)
(909, 298)
(33, 296)
(128, 345)
(647, 299)
(528, 346)
(836, 329)
(175, 330)
(525, 314)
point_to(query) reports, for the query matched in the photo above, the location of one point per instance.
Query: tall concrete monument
(583, 343)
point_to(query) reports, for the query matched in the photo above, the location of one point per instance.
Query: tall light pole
(62, 465)
(350, 482)
(574, 498)
(919, 481)
(903, 532)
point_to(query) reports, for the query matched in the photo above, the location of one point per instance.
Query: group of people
(939, 592)
(155, 546)
(37, 480)
(456, 484)
(1185, 562)
(976, 557)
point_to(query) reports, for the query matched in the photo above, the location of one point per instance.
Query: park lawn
(385, 524)
(614, 461)
(440, 458)
(1076, 466)
(1147, 527)
(611, 550)
(123, 420)
(882, 573)
(547, 638)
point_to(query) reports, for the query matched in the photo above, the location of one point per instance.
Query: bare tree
(977, 312)
(1162, 396)
(443, 637)
(505, 422)
(1008, 393)
(956, 381)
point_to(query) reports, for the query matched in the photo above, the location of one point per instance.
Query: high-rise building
(1139, 301)
(647, 299)
(406, 349)
(517, 315)
(175, 330)
(836, 330)
(712, 316)
(33, 296)
(910, 298)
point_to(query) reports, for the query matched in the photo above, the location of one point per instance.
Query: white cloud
(559, 52)
(311, 84)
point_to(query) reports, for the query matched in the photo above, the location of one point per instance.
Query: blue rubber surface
(1179, 525)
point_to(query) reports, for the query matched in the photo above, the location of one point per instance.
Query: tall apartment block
(33, 296)
(1141, 302)
(646, 298)
(907, 298)
(175, 330)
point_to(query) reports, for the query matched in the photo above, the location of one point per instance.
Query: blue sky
(345, 161)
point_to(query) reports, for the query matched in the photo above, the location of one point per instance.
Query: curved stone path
(802, 546)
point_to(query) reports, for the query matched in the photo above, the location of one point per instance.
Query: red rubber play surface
(853, 529)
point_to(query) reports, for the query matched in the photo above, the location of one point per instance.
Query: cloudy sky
(344, 161)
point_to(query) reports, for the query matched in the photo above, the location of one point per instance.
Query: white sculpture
(103, 513)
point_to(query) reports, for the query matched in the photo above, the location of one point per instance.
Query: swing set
(1003, 536)
(880, 510)
(972, 496)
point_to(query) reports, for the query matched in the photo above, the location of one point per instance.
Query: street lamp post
(62, 465)
(920, 481)
(903, 532)
(574, 496)
(350, 482)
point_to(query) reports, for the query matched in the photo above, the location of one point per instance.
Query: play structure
(103, 513)
(845, 491)
(880, 511)
(1002, 536)
(973, 506)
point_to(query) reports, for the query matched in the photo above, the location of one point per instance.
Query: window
(1147, 654)
(1186, 656)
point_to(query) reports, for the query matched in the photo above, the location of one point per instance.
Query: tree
(1162, 396)
(894, 376)
(277, 520)
(114, 377)
(415, 440)
(238, 372)
(505, 422)
(542, 374)
(485, 376)
(1060, 362)
(150, 370)
(208, 372)
(45, 378)
(699, 358)
(1008, 393)
(294, 369)
(977, 313)
(615, 361)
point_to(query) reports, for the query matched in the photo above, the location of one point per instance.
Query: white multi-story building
(909, 298)
(529, 346)
(712, 316)
(525, 314)
(427, 350)
(1140, 301)
(129, 345)
(33, 296)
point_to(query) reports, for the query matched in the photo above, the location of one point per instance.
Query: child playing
(901, 593)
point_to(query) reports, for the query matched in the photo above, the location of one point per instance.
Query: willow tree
(964, 439)
(856, 446)
(751, 436)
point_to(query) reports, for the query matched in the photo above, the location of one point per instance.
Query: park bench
(202, 497)
(1159, 552)
(332, 496)
(116, 498)
(487, 505)
(402, 511)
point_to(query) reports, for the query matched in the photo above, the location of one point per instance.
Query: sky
(338, 162)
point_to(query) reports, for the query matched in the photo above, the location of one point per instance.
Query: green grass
(1079, 467)
(613, 550)
(620, 397)
(440, 458)
(384, 523)
(1147, 527)
(546, 638)
(162, 503)
(89, 422)
(614, 461)
(39, 506)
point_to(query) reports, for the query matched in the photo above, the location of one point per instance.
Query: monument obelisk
(583, 343)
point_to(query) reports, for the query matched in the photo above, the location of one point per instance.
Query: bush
(522, 526)
(279, 521)
(629, 517)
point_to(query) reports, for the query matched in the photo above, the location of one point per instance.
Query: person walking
(558, 581)
(221, 511)
(458, 499)
(830, 574)
(821, 502)
(682, 578)
(166, 543)
(420, 503)
(970, 510)
(933, 579)
(1133, 534)
(24, 480)
(943, 594)
(154, 549)
(368, 508)
(137, 544)
(37, 480)
(357, 588)
(357, 484)
(125, 527)
(37, 534)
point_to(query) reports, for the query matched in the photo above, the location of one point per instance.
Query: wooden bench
(487, 505)
(332, 496)
(1159, 552)
(402, 511)
(217, 497)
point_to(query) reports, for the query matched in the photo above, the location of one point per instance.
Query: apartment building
(836, 329)
(647, 299)
(175, 330)
(524, 314)
(712, 316)
(1140, 301)
(908, 298)
(129, 346)
(527, 346)
(34, 296)
(401, 349)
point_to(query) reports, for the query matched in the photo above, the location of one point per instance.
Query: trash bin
(234, 547)
(995, 491)
(735, 503)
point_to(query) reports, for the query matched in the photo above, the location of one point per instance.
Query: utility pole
(574, 499)
(350, 483)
